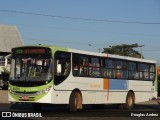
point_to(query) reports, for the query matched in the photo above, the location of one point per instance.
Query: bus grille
(26, 98)
(26, 93)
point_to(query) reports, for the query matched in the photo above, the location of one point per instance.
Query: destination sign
(31, 51)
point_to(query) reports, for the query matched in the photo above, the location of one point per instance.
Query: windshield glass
(30, 69)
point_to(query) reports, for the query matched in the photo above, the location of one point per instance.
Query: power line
(151, 50)
(80, 18)
(53, 41)
(79, 43)
(88, 30)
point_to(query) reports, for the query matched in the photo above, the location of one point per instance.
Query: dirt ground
(4, 96)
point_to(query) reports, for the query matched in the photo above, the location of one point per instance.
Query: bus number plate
(25, 98)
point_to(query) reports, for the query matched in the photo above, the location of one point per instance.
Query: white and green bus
(57, 75)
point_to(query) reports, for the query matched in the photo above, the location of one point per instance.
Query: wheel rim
(75, 101)
(78, 101)
(130, 101)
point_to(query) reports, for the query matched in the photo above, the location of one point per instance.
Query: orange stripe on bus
(105, 83)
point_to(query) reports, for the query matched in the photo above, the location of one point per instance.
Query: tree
(124, 50)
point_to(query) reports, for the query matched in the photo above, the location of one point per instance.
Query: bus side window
(132, 70)
(143, 68)
(76, 70)
(62, 63)
(67, 68)
(152, 72)
(75, 61)
(109, 70)
(59, 68)
(83, 66)
(62, 66)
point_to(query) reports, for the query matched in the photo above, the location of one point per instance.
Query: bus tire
(36, 106)
(75, 101)
(130, 101)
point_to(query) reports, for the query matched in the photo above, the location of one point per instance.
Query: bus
(56, 75)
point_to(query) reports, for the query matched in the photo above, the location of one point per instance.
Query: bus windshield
(30, 69)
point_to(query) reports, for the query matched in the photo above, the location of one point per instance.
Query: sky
(86, 24)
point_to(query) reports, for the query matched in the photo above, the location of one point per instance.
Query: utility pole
(99, 49)
(141, 49)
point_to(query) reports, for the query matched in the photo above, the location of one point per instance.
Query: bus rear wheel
(130, 101)
(75, 101)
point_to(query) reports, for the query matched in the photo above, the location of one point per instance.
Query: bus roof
(111, 56)
(105, 55)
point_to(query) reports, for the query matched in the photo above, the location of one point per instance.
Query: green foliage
(124, 50)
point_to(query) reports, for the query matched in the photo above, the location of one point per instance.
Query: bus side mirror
(59, 68)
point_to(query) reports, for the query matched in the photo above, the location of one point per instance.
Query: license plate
(25, 98)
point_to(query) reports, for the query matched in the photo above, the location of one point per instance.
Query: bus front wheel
(75, 101)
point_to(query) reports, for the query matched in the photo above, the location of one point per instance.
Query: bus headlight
(12, 92)
(44, 91)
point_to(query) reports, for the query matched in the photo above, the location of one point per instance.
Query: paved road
(3, 96)
(112, 111)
